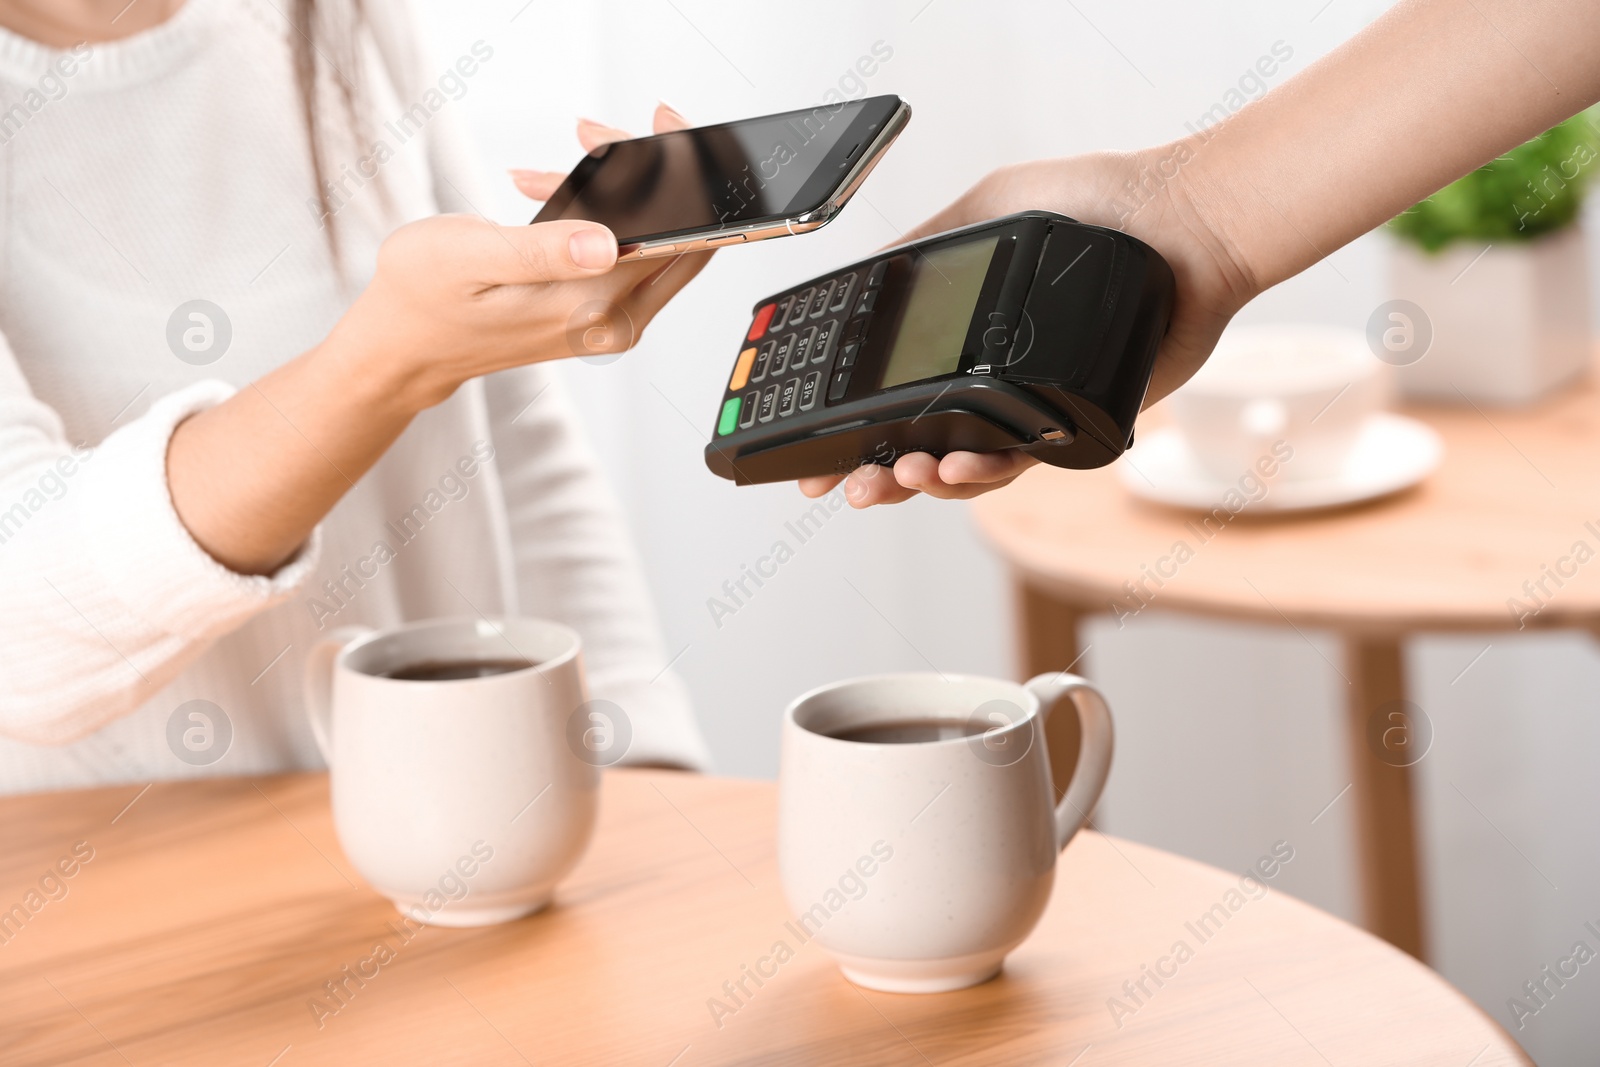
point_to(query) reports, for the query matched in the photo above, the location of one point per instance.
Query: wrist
(1204, 202)
(375, 362)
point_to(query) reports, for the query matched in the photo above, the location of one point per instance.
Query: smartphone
(733, 183)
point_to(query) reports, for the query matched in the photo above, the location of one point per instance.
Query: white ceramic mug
(462, 801)
(1312, 387)
(920, 865)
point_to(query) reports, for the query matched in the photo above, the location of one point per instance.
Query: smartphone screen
(715, 177)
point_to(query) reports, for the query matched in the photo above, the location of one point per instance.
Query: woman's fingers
(542, 184)
(537, 184)
(592, 134)
(652, 292)
(667, 119)
(642, 289)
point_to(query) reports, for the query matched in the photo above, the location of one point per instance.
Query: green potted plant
(1496, 263)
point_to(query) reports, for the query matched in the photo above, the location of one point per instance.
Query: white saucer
(1392, 453)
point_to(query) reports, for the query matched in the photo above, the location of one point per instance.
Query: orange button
(759, 327)
(741, 369)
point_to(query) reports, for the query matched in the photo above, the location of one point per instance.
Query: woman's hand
(456, 296)
(453, 297)
(1143, 194)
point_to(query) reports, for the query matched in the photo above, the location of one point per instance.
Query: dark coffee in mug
(454, 670)
(910, 731)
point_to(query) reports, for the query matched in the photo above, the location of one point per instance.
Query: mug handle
(1094, 752)
(317, 684)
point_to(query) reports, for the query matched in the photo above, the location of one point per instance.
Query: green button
(730, 417)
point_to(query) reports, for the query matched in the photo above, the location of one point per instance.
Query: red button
(763, 317)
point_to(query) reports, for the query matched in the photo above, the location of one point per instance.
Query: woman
(254, 387)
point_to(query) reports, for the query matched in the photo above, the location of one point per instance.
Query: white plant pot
(1508, 325)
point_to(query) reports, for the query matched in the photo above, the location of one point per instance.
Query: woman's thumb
(563, 250)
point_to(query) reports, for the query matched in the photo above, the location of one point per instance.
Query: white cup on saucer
(1312, 387)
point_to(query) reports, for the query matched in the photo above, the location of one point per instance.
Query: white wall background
(1228, 734)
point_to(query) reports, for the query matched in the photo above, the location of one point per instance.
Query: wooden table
(1516, 491)
(213, 913)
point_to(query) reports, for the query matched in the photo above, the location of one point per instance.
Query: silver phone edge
(804, 223)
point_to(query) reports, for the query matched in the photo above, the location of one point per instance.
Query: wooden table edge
(1089, 599)
(1399, 956)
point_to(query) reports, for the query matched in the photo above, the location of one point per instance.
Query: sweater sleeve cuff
(662, 729)
(141, 549)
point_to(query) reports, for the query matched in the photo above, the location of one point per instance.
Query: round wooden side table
(1504, 536)
(217, 922)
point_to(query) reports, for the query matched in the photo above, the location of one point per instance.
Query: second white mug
(917, 828)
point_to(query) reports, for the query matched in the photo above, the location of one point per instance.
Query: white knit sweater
(139, 175)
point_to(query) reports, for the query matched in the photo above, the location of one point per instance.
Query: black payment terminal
(1030, 331)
